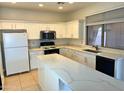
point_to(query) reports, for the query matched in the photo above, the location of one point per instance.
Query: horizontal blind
(94, 18)
(114, 14)
(106, 17)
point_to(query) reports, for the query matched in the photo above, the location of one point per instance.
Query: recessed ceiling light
(13, 2)
(40, 5)
(71, 2)
(60, 7)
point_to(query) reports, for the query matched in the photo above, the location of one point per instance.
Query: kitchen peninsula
(57, 73)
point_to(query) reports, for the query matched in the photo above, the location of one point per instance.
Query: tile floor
(27, 81)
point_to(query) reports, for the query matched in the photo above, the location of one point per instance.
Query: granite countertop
(81, 48)
(79, 77)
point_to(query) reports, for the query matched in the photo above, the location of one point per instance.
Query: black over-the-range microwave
(47, 35)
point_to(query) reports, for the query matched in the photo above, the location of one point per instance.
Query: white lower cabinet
(33, 61)
(48, 79)
(73, 54)
(41, 76)
(52, 80)
(90, 60)
(81, 57)
(66, 52)
(87, 59)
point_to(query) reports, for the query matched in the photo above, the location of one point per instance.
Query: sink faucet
(96, 47)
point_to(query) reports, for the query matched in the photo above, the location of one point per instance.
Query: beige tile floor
(27, 81)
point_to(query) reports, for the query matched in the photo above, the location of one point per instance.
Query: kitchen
(78, 37)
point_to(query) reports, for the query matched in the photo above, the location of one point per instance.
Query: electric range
(49, 47)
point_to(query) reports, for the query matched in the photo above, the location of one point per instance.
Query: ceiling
(48, 6)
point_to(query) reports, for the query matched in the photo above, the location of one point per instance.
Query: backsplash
(35, 43)
(75, 42)
(61, 41)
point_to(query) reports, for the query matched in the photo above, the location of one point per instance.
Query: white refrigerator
(16, 55)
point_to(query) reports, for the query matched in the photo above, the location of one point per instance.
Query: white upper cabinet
(63, 29)
(73, 29)
(60, 29)
(10, 25)
(33, 30)
(7, 25)
(47, 26)
(68, 30)
(20, 26)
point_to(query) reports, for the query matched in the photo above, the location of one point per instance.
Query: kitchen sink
(90, 50)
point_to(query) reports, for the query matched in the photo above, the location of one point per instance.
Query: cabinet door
(43, 27)
(33, 62)
(69, 30)
(60, 29)
(64, 52)
(41, 75)
(75, 29)
(20, 26)
(51, 26)
(33, 58)
(72, 29)
(79, 57)
(33, 30)
(7, 25)
(90, 60)
(47, 27)
(51, 80)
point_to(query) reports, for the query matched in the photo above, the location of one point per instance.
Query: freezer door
(14, 40)
(16, 60)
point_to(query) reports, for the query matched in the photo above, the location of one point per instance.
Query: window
(94, 35)
(107, 35)
(114, 35)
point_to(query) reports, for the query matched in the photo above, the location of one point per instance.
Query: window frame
(103, 36)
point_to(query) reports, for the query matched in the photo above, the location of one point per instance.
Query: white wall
(90, 10)
(30, 15)
(94, 9)
(23, 14)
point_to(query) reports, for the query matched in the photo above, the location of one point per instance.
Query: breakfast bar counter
(57, 72)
